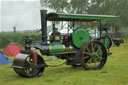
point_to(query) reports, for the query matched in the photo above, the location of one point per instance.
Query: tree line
(17, 38)
(98, 7)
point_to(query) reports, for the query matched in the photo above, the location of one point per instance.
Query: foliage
(78, 6)
(6, 38)
(58, 5)
(102, 7)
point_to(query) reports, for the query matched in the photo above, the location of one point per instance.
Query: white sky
(25, 14)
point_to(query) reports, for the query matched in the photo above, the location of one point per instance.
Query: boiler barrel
(55, 48)
(58, 48)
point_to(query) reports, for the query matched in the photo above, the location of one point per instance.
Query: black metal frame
(44, 25)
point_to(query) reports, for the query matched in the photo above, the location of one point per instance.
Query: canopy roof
(78, 17)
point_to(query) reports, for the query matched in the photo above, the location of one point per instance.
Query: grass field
(115, 72)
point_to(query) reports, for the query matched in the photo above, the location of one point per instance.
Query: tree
(57, 5)
(98, 7)
(111, 7)
(78, 6)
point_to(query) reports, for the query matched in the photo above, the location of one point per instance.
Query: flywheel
(80, 36)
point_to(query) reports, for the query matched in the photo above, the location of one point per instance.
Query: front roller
(24, 65)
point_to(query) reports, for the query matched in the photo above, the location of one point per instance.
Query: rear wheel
(93, 55)
(110, 40)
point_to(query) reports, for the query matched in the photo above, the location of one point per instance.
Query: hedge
(17, 38)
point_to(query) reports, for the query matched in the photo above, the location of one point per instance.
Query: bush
(17, 38)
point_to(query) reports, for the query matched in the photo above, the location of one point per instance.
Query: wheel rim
(94, 55)
(29, 67)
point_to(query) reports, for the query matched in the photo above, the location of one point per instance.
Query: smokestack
(14, 29)
(44, 25)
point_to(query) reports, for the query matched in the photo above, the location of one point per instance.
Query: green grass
(115, 72)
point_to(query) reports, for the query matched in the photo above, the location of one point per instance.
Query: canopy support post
(100, 29)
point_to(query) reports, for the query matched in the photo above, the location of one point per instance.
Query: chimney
(44, 25)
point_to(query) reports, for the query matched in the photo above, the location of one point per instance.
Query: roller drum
(24, 66)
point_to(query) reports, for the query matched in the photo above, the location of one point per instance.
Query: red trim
(34, 57)
(65, 36)
(33, 53)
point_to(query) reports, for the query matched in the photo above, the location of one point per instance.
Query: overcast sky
(24, 14)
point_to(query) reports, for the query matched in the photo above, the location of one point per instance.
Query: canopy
(78, 17)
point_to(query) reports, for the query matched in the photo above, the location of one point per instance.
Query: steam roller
(77, 48)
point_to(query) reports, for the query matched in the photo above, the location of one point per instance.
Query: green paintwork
(80, 36)
(58, 48)
(105, 42)
(79, 17)
(94, 55)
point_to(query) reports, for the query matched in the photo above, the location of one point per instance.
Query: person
(55, 36)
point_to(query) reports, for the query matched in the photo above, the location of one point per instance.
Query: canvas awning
(79, 17)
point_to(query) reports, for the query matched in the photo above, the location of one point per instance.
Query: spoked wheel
(93, 55)
(24, 66)
(29, 69)
(110, 40)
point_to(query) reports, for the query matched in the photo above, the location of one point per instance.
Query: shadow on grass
(50, 71)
